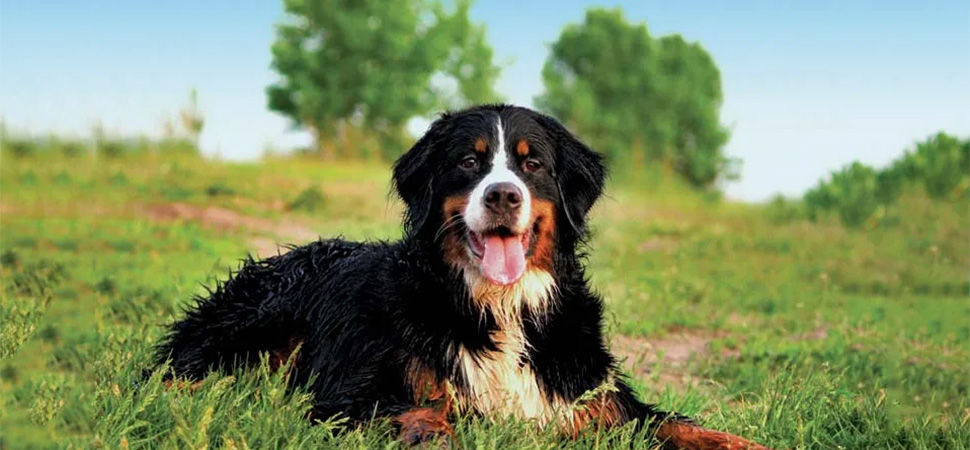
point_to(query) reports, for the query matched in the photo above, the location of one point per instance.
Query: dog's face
(499, 189)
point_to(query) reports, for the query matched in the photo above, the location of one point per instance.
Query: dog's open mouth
(501, 253)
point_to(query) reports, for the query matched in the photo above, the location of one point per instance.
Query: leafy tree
(636, 97)
(370, 64)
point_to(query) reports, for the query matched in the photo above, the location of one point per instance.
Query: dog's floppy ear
(414, 177)
(579, 173)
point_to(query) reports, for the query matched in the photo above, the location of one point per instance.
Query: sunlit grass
(810, 335)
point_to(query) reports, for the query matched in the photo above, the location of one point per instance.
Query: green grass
(805, 334)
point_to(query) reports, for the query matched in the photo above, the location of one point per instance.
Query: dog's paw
(691, 437)
(423, 425)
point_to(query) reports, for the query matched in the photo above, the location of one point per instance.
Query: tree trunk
(324, 144)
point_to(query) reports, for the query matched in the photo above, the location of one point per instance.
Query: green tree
(369, 64)
(636, 97)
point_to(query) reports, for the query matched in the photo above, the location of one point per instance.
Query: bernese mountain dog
(483, 307)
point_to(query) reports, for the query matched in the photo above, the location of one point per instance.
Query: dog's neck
(533, 293)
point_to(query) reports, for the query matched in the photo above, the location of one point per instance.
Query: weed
(310, 199)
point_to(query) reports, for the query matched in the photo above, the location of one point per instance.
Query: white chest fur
(501, 382)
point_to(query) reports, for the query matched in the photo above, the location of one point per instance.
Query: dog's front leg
(428, 418)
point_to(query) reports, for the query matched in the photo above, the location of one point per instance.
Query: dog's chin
(500, 255)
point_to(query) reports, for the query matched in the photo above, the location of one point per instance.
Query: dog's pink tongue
(504, 259)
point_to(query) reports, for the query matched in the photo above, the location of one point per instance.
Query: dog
(483, 307)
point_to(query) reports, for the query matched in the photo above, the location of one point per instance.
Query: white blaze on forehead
(499, 172)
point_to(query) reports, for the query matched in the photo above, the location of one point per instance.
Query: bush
(177, 145)
(856, 192)
(941, 163)
(310, 199)
(219, 189)
(112, 148)
(782, 210)
(889, 185)
(853, 191)
(20, 147)
(68, 147)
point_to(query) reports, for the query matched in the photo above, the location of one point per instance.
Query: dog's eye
(469, 163)
(531, 165)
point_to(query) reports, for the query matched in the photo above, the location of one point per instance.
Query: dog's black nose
(503, 197)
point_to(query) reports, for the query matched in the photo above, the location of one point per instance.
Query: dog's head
(500, 190)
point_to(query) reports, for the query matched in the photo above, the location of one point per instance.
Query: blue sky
(809, 85)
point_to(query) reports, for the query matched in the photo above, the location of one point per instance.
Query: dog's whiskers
(453, 221)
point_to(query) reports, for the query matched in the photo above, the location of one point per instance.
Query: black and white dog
(483, 307)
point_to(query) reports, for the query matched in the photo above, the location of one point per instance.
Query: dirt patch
(818, 334)
(225, 219)
(264, 247)
(658, 244)
(210, 216)
(674, 350)
(664, 361)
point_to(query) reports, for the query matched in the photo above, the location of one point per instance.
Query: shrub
(219, 189)
(112, 148)
(106, 286)
(310, 199)
(855, 189)
(20, 147)
(889, 185)
(782, 210)
(819, 200)
(852, 192)
(9, 258)
(68, 147)
(941, 163)
(177, 145)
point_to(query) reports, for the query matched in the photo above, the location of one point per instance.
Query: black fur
(364, 311)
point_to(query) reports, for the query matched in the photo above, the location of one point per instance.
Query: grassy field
(792, 333)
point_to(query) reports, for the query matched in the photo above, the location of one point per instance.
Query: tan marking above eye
(481, 145)
(522, 148)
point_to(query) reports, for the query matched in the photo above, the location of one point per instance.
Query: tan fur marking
(453, 244)
(278, 357)
(425, 386)
(454, 205)
(544, 223)
(599, 413)
(522, 148)
(481, 145)
(422, 425)
(685, 435)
